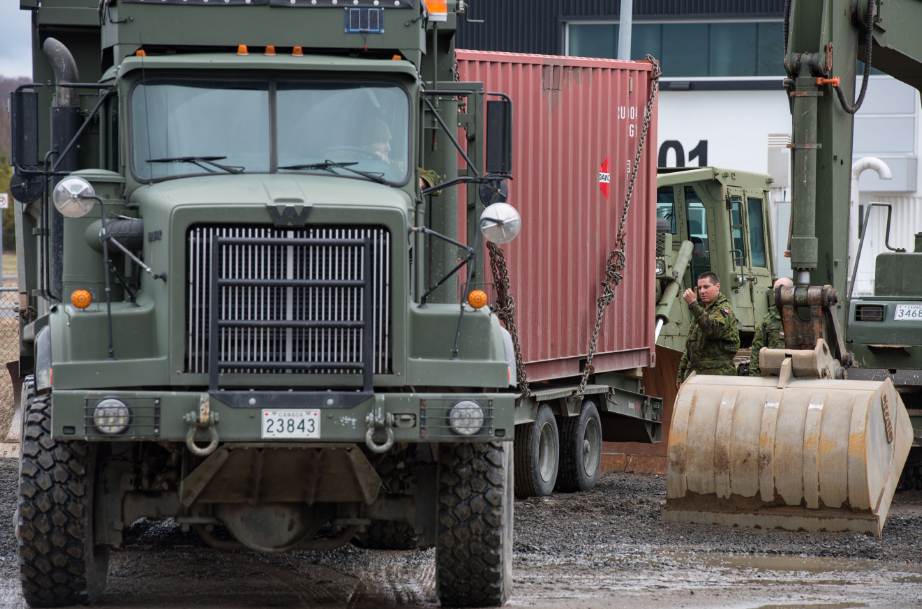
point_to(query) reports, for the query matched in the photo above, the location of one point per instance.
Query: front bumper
(161, 416)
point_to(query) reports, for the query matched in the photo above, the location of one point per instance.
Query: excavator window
(697, 233)
(665, 205)
(756, 232)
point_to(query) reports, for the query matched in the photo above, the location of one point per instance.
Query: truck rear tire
(537, 450)
(580, 450)
(473, 555)
(59, 563)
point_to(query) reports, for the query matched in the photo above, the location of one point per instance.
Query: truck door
(759, 231)
(740, 259)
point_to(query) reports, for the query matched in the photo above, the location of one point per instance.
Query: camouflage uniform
(713, 340)
(769, 334)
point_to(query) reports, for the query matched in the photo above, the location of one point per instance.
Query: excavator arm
(823, 43)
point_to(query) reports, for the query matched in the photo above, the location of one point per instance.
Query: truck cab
(725, 214)
(238, 300)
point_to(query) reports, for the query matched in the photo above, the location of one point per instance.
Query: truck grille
(287, 296)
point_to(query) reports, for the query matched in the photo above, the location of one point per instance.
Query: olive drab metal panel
(576, 128)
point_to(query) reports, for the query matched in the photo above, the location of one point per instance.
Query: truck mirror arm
(448, 132)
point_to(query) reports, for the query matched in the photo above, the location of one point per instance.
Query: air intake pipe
(65, 121)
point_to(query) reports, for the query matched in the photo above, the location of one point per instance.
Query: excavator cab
(724, 215)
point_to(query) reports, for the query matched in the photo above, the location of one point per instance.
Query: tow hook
(205, 420)
(378, 419)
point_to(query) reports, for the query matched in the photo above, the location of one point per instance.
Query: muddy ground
(606, 548)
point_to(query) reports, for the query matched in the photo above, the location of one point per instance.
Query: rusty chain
(505, 311)
(617, 258)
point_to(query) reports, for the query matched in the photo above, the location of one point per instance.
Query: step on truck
(237, 225)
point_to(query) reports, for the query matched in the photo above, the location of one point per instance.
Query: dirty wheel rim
(592, 446)
(547, 452)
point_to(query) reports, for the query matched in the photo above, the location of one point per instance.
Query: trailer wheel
(537, 455)
(581, 450)
(59, 563)
(387, 535)
(473, 555)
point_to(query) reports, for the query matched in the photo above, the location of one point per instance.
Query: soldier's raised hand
(689, 296)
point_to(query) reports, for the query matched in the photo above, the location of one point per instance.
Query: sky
(15, 40)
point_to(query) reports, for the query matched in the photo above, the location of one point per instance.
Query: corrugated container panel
(569, 115)
(537, 26)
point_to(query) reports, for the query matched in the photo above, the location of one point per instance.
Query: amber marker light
(141, 53)
(270, 51)
(297, 52)
(242, 50)
(396, 58)
(81, 299)
(477, 299)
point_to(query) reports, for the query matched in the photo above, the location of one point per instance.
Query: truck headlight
(466, 417)
(660, 267)
(111, 416)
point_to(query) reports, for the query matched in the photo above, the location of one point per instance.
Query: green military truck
(239, 304)
(713, 219)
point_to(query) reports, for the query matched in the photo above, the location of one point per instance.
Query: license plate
(911, 312)
(291, 424)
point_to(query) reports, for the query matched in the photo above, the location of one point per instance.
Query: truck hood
(268, 189)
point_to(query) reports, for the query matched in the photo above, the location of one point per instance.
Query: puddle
(815, 606)
(808, 564)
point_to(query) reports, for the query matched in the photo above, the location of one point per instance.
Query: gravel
(606, 547)
(623, 512)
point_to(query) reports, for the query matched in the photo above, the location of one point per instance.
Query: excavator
(819, 440)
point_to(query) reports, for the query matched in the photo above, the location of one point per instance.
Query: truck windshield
(362, 127)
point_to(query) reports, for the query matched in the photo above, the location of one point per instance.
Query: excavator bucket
(795, 452)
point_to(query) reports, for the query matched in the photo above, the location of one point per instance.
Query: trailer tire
(387, 535)
(473, 555)
(580, 450)
(537, 450)
(59, 563)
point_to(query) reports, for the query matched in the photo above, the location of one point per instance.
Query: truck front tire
(59, 563)
(474, 551)
(580, 450)
(537, 450)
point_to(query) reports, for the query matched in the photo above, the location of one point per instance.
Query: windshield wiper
(327, 164)
(198, 160)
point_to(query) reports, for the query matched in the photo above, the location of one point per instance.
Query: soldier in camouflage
(714, 337)
(769, 333)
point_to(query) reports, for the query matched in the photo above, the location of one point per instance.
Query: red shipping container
(571, 116)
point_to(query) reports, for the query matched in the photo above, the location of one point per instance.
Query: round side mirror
(500, 223)
(73, 197)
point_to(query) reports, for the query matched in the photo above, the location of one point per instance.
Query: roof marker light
(270, 51)
(396, 58)
(242, 50)
(297, 52)
(141, 53)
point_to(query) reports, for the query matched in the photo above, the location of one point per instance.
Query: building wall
(537, 26)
